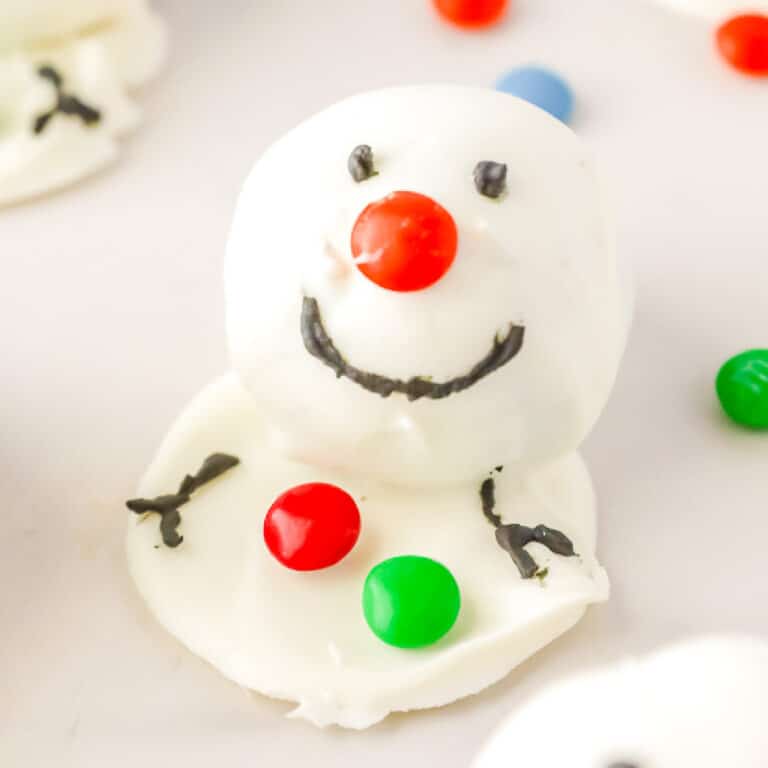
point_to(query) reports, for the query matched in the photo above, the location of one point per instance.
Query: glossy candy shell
(410, 601)
(742, 386)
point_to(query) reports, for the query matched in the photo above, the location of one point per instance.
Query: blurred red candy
(471, 14)
(743, 42)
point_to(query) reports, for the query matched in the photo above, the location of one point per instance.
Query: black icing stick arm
(168, 506)
(66, 103)
(513, 538)
(216, 464)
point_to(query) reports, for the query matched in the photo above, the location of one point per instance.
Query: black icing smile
(319, 344)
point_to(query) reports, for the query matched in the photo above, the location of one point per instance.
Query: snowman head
(702, 703)
(421, 285)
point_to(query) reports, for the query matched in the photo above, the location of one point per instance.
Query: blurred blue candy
(541, 87)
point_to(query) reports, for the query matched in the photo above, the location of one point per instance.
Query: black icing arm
(513, 538)
(66, 103)
(168, 506)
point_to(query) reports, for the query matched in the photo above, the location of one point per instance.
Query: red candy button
(312, 526)
(471, 13)
(404, 242)
(743, 42)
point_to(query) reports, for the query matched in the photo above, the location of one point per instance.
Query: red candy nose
(404, 242)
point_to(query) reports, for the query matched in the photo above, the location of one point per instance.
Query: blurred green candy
(742, 386)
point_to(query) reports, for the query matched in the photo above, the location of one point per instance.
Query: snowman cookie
(382, 508)
(65, 72)
(702, 703)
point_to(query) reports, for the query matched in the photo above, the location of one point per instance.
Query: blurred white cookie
(66, 69)
(702, 703)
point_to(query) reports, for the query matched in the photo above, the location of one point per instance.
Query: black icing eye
(490, 178)
(360, 163)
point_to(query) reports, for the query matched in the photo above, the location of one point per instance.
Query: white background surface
(111, 318)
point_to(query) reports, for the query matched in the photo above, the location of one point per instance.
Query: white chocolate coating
(717, 10)
(101, 49)
(542, 255)
(702, 703)
(302, 636)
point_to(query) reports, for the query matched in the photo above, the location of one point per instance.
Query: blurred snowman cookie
(65, 72)
(702, 703)
(742, 32)
(382, 508)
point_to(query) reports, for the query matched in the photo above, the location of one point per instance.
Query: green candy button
(742, 386)
(410, 601)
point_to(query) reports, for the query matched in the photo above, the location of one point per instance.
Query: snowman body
(66, 70)
(411, 399)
